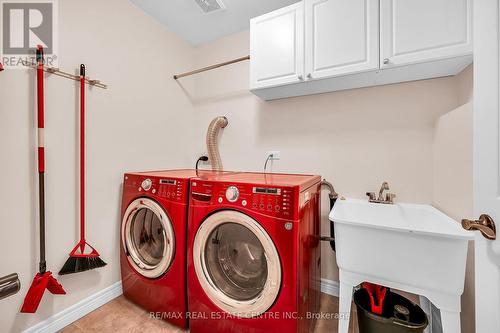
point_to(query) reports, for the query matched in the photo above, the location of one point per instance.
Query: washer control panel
(165, 188)
(270, 200)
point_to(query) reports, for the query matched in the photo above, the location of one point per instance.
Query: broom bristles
(81, 264)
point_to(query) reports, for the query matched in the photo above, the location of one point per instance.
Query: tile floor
(120, 315)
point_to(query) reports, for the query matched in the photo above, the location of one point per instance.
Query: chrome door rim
(248, 308)
(133, 257)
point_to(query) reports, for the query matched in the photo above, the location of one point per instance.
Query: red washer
(254, 253)
(153, 241)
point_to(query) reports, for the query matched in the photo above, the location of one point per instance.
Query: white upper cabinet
(317, 46)
(277, 47)
(342, 37)
(414, 31)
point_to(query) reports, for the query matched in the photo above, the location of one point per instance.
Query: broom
(78, 260)
(43, 279)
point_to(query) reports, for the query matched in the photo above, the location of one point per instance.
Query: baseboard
(77, 311)
(330, 287)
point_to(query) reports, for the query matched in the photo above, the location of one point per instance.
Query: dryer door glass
(237, 263)
(148, 238)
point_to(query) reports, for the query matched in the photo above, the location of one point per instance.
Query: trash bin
(399, 314)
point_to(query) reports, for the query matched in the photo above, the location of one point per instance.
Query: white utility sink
(414, 248)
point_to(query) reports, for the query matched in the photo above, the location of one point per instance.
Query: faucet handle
(371, 196)
(389, 197)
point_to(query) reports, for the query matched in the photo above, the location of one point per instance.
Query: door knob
(485, 224)
(386, 61)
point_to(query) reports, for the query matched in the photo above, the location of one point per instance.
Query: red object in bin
(377, 295)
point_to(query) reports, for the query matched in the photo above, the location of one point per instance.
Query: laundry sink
(410, 247)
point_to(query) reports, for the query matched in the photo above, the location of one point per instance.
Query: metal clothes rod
(58, 72)
(208, 68)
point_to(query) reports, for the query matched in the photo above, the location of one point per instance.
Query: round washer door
(237, 264)
(148, 238)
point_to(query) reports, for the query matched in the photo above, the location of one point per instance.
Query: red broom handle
(82, 156)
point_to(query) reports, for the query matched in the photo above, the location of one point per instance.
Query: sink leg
(450, 321)
(345, 300)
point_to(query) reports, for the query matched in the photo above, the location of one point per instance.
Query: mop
(78, 260)
(43, 279)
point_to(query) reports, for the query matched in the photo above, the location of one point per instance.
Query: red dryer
(153, 241)
(254, 253)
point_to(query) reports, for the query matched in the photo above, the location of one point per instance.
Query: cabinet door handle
(309, 76)
(301, 77)
(386, 61)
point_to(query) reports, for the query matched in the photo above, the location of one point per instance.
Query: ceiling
(186, 18)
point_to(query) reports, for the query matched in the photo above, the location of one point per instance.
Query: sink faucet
(384, 187)
(388, 199)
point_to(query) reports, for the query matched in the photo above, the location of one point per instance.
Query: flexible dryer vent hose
(212, 144)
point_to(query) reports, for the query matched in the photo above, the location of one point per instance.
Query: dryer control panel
(277, 201)
(167, 188)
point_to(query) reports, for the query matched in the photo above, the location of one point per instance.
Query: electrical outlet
(276, 155)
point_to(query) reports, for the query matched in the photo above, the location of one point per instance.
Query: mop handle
(82, 156)
(41, 155)
(41, 111)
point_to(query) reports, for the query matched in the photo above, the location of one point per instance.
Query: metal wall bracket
(58, 72)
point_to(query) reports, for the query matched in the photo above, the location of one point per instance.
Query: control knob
(232, 194)
(146, 184)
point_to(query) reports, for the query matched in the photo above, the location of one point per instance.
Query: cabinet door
(342, 37)
(415, 31)
(277, 47)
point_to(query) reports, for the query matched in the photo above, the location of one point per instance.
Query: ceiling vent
(210, 6)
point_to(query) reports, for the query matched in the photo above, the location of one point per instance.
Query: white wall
(453, 180)
(356, 138)
(139, 123)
